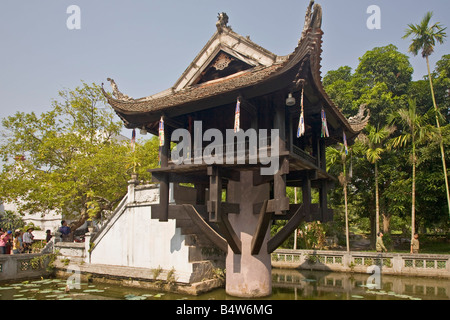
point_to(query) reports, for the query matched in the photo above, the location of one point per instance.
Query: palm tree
(334, 156)
(374, 147)
(416, 130)
(425, 38)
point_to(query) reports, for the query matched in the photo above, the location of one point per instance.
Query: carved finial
(119, 95)
(316, 19)
(313, 18)
(360, 120)
(222, 21)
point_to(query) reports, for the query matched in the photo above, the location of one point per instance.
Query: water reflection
(287, 284)
(304, 284)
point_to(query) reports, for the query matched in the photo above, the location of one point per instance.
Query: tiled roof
(309, 49)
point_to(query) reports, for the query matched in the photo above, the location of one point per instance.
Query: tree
(380, 81)
(338, 156)
(415, 131)
(374, 147)
(424, 39)
(71, 159)
(10, 221)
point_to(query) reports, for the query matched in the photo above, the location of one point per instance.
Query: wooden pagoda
(234, 204)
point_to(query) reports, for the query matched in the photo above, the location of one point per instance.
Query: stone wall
(132, 238)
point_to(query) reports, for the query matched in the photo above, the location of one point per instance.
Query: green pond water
(286, 285)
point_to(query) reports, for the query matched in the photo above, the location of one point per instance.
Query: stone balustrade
(434, 265)
(22, 266)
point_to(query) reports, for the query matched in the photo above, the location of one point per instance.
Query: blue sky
(146, 45)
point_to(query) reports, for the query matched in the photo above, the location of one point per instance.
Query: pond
(288, 284)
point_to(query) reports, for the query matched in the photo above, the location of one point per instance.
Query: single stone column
(247, 275)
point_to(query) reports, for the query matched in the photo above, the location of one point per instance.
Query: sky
(146, 45)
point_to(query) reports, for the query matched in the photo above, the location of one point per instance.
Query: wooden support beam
(201, 193)
(323, 200)
(302, 175)
(180, 178)
(279, 122)
(322, 160)
(279, 184)
(215, 194)
(247, 106)
(225, 207)
(284, 233)
(226, 229)
(273, 205)
(164, 179)
(230, 174)
(306, 194)
(261, 229)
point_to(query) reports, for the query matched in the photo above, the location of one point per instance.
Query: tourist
(17, 242)
(48, 236)
(4, 238)
(415, 244)
(64, 230)
(27, 240)
(380, 245)
(20, 239)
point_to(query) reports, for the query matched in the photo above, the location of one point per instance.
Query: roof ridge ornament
(313, 17)
(222, 21)
(119, 95)
(361, 119)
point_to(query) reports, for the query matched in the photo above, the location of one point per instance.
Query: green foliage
(425, 36)
(382, 81)
(311, 235)
(11, 221)
(71, 159)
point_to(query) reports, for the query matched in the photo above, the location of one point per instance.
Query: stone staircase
(203, 254)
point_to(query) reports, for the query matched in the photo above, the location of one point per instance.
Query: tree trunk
(81, 220)
(386, 222)
(413, 192)
(373, 235)
(441, 141)
(377, 202)
(346, 217)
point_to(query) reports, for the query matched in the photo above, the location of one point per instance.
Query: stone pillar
(131, 186)
(248, 275)
(87, 247)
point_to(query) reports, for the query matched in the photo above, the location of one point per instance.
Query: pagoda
(235, 86)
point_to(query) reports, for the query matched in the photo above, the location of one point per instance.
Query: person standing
(415, 243)
(27, 240)
(64, 230)
(379, 246)
(17, 243)
(4, 238)
(48, 235)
